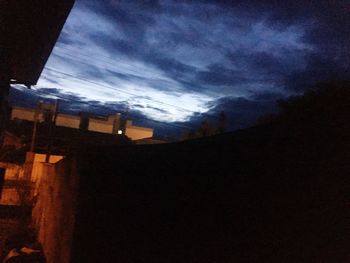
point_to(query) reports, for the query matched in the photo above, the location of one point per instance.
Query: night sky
(179, 62)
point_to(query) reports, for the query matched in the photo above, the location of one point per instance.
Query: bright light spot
(120, 132)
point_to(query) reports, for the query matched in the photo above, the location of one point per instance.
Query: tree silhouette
(325, 104)
(221, 126)
(204, 129)
(187, 135)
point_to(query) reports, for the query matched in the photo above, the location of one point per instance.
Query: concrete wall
(109, 125)
(69, 121)
(137, 133)
(54, 212)
(10, 195)
(21, 178)
(116, 120)
(103, 126)
(37, 172)
(13, 171)
(24, 114)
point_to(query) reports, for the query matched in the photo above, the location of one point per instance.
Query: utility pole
(51, 124)
(35, 126)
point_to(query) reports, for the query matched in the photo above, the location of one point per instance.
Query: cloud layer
(172, 61)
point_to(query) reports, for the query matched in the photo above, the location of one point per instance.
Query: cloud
(172, 61)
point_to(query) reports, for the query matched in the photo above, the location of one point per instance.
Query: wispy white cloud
(174, 62)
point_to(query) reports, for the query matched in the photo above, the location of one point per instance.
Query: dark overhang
(28, 33)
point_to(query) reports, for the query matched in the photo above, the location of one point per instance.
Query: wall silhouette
(265, 194)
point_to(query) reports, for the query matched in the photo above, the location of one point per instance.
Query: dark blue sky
(178, 62)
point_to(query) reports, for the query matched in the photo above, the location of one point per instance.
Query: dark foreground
(268, 194)
(14, 228)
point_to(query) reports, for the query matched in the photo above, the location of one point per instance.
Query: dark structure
(265, 194)
(28, 33)
(59, 140)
